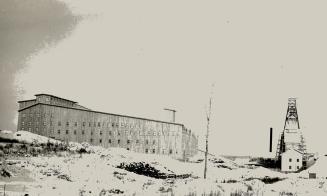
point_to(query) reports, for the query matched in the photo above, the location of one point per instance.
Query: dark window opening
(290, 160)
(100, 132)
(67, 131)
(75, 124)
(109, 141)
(146, 150)
(83, 132)
(170, 151)
(128, 141)
(154, 142)
(153, 151)
(146, 142)
(58, 131)
(67, 123)
(100, 140)
(118, 141)
(127, 148)
(99, 124)
(74, 132)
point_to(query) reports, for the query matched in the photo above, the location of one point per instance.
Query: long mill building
(66, 120)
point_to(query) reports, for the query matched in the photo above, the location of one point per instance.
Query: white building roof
(292, 151)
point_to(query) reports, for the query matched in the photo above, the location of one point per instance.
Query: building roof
(26, 100)
(55, 97)
(292, 150)
(101, 113)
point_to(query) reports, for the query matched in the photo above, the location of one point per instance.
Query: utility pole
(207, 135)
(173, 111)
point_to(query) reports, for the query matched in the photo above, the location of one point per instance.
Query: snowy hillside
(81, 169)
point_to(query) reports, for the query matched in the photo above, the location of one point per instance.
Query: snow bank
(28, 137)
(320, 168)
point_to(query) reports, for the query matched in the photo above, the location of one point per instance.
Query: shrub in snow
(267, 179)
(215, 160)
(9, 146)
(283, 193)
(229, 181)
(119, 175)
(65, 177)
(211, 193)
(82, 150)
(241, 193)
(5, 173)
(143, 169)
(164, 190)
(105, 192)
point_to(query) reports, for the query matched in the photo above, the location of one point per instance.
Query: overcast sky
(138, 57)
(26, 27)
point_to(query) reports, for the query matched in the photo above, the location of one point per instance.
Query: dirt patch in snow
(267, 179)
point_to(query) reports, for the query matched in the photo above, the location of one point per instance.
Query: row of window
(149, 132)
(30, 123)
(32, 114)
(84, 124)
(94, 124)
(98, 124)
(118, 142)
(290, 167)
(119, 132)
(297, 160)
(128, 141)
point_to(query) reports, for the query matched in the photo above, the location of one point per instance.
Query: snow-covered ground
(96, 173)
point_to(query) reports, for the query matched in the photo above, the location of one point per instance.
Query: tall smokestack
(271, 135)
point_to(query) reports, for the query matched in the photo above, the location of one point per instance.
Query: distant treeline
(267, 162)
(7, 140)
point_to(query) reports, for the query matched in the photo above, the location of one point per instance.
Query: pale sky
(138, 57)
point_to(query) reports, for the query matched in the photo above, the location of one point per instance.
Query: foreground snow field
(113, 172)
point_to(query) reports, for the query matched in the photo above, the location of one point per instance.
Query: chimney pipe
(271, 135)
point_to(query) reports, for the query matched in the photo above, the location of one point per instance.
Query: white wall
(291, 161)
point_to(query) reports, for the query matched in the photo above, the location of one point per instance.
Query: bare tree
(207, 135)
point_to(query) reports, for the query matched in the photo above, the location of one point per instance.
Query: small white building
(291, 160)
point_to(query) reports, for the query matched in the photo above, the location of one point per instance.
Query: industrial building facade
(65, 120)
(291, 144)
